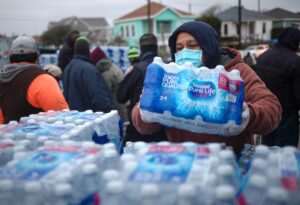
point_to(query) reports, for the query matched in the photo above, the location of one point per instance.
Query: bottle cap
(149, 190)
(225, 192)
(110, 174)
(277, 194)
(6, 185)
(32, 187)
(258, 181)
(115, 187)
(187, 190)
(63, 189)
(89, 169)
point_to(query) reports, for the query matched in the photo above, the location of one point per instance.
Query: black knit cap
(289, 37)
(82, 47)
(148, 42)
(205, 36)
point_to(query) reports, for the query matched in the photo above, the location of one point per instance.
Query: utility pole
(240, 23)
(190, 7)
(258, 4)
(149, 16)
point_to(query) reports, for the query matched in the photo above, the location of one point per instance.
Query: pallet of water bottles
(45, 127)
(147, 173)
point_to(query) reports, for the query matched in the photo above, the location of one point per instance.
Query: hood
(69, 41)
(8, 72)
(206, 37)
(289, 37)
(103, 65)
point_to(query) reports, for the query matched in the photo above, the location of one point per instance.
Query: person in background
(133, 55)
(112, 75)
(66, 53)
(279, 68)
(24, 87)
(198, 42)
(251, 57)
(131, 88)
(84, 87)
(53, 70)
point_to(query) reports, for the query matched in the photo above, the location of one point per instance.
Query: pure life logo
(200, 90)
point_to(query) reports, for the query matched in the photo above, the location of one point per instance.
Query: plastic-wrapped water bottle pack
(272, 175)
(65, 125)
(64, 173)
(200, 100)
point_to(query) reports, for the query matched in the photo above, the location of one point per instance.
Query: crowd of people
(91, 81)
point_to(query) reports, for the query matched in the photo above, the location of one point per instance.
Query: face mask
(194, 56)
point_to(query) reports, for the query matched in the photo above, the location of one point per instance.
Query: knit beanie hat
(205, 36)
(82, 46)
(97, 55)
(289, 37)
(133, 52)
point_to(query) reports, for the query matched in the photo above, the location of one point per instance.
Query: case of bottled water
(200, 100)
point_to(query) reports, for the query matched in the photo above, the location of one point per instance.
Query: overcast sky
(32, 16)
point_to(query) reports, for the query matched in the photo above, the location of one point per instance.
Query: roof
(279, 13)
(96, 22)
(155, 9)
(231, 14)
(83, 23)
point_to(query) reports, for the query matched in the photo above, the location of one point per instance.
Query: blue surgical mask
(194, 56)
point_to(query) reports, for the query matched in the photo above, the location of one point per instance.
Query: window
(127, 31)
(264, 27)
(225, 29)
(122, 31)
(132, 31)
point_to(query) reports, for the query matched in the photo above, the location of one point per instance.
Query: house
(97, 29)
(254, 25)
(283, 18)
(164, 20)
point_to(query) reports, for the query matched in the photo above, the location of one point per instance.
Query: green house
(163, 21)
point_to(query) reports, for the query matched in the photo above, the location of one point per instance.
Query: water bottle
(258, 166)
(226, 176)
(276, 196)
(261, 151)
(208, 189)
(107, 176)
(186, 195)
(256, 189)
(225, 195)
(90, 179)
(227, 157)
(63, 194)
(110, 159)
(33, 193)
(149, 194)
(6, 192)
(114, 193)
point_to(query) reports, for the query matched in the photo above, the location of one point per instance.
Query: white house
(97, 29)
(254, 25)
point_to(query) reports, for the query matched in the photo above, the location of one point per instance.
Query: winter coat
(264, 108)
(113, 76)
(279, 68)
(130, 89)
(84, 87)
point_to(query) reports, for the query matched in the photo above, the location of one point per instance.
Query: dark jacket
(279, 68)
(84, 87)
(66, 53)
(130, 89)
